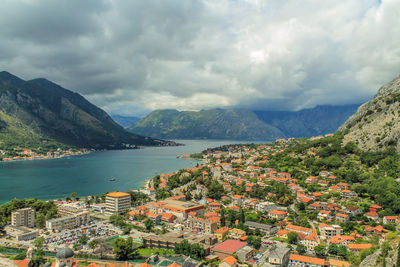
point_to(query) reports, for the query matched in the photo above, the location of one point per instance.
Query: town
(242, 205)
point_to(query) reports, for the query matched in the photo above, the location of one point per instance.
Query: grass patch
(150, 251)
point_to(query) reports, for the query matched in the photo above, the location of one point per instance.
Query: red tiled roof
(230, 246)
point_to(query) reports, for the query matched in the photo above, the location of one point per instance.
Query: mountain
(376, 124)
(242, 124)
(125, 121)
(39, 110)
(205, 124)
(319, 120)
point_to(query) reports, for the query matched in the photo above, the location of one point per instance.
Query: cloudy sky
(131, 57)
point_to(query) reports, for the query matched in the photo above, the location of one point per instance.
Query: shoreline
(19, 159)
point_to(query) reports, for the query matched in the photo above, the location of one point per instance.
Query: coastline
(18, 159)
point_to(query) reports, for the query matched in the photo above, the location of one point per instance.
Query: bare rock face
(376, 124)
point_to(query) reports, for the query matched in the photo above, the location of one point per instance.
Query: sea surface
(89, 174)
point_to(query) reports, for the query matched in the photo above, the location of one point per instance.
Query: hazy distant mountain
(205, 124)
(308, 122)
(38, 109)
(376, 124)
(242, 124)
(125, 121)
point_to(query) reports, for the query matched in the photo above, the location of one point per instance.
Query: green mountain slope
(376, 124)
(242, 124)
(51, 112)
(207, 124)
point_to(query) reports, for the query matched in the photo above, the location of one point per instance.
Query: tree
(320, 250)
(83, 239)
(300, 206)
(301, 249)
(73, 195)
(342, 251)
(242, 217)
(398, 255)
(188, 196)
(124, 249)
(38, 242)
(292, 237)
(38, 260)
(333, 249)
(149, 224)
(255, 241)
(94, 243)
(40, 220)
(223, 217)
(215, 190)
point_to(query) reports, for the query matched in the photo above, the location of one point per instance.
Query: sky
(132, 57)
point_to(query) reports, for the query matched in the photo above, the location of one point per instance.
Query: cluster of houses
(203, 217)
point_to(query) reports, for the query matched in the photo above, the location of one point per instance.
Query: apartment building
(23, 217)
(328, 231)
(66, 222)
(200, 225)
(117, 203)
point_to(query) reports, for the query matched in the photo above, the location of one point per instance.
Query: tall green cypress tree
(223, 217)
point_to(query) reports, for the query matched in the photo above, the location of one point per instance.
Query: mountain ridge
(58, 114)
(241, 124)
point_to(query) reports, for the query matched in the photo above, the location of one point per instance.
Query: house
(267, 229)
(342, 217)
(200, 225)
(236, 233)
(311, 180)
(277, 214)
(228, 248)
(315, 206)
(375, 208)
(324, 215)
(328, 231)
(348, 194)
(228, 262)
(245, 253)
(278, 256)
(299, 260)
(343, 186)
(238, 199)
(299, 229)
(156, 218)
(372, 216)
(353, 210)
(168, 218)
(338, 263)
(358, 247)
(221, 232)
(309, 241)
(265, 206)
(341, 240)
(390, 219)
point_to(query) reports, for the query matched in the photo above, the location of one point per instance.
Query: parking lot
(70, 237)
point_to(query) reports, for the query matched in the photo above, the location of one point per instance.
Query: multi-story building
(117, 203)
(23, 217)
(68, 221)
(328, 231)
(200, 225)
(180, 209)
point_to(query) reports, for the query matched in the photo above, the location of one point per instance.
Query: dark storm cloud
(131, 57)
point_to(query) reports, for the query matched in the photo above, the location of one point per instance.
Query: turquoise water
(89, 174)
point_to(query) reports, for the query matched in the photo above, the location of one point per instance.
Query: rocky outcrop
(376, 124)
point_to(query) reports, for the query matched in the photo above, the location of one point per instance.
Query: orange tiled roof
(307, 259)
(117, 194)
